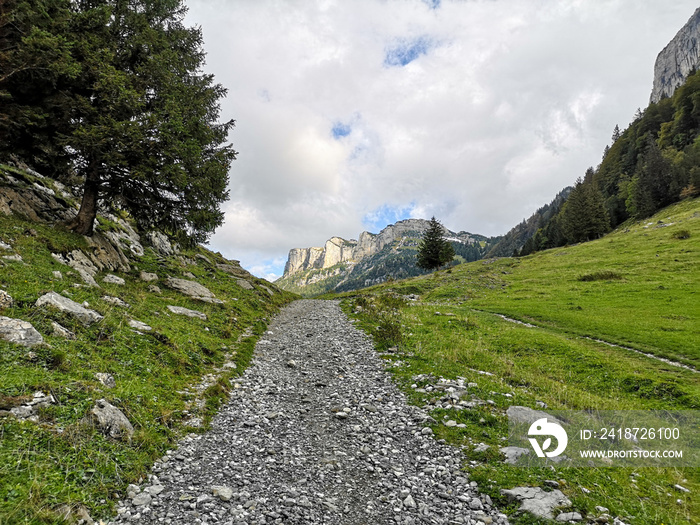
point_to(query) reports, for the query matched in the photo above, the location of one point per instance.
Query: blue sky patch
(406, 51)
(379, 218)
(340, 130)
(432, 4)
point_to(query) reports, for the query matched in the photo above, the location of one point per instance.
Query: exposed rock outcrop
(63, 304)
(677, 60)
(19, 332)
(110, 420)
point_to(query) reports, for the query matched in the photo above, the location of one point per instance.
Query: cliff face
(338, 250)
(677, 60)
(350, 264)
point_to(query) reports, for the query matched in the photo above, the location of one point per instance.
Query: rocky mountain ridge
(342, 264)
(677, 60)
(338, 250)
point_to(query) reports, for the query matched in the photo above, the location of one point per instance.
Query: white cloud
(475, 112)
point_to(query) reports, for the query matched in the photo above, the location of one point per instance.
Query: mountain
(342, 265)
(677, 60)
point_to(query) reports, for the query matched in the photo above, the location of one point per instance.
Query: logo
(542, 427)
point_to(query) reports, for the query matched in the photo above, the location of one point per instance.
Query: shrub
(605, 275)
(681, 234)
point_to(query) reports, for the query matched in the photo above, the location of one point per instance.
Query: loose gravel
(315, 432)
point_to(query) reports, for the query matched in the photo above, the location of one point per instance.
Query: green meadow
(593, 310)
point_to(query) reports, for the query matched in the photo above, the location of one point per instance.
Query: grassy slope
(58, 461)
(654, 307)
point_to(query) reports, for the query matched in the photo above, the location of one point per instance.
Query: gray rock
(677, 60)
(186, 311)
(569, 516)
(57, 275)
(65, 305)
(148, 277)
(61, 331)
(115, 301)
(106, 379)
(113, 279)
(191, 288)
(6, 300)
(154, 289)
(5, 247)
(141, 499)
(19, 332)
(161, 244)
(536, 501)
(12, 258)
(224, 493)
(110, 421)
(138, 325)
(519, 414)
(512, 454)
(244, 284)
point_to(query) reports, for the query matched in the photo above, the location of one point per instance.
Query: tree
(616, 134)
(139, 118)
(433, 250)
(584, 216)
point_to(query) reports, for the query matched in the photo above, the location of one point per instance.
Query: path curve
(314, 433)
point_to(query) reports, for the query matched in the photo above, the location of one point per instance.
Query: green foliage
(605, 275)
(434, 251)
(584, 216)
(117, 90)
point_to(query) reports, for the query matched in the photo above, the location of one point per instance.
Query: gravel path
(314, 433)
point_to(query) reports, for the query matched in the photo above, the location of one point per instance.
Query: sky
(354, 114)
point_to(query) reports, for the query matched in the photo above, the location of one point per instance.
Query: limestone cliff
(677, 60)
(375, 257)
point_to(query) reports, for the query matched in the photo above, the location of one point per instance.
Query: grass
(636, 287)
(58, 461)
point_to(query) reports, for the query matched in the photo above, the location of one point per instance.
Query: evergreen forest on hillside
(651, 164)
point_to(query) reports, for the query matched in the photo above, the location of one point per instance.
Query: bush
(681, 234)
(606, 275)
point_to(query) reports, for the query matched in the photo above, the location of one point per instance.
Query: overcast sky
(352, 114)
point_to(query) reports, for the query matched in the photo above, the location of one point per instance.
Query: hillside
(566, 328)
(150, 329)
(342, 265)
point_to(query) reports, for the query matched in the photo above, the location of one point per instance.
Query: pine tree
(433, 250)
(616, 134)
(138, 117)
(584, 216)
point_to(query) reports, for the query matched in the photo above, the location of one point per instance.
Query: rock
(518, 414)
(512, 454)
(12, 258)
(677, 60)
(222, 492)
(113, 279)
(106, 379)
(409, 502)
(81, 264)
(267, 290)
(65, 305)
(154, 289)
(148, 277)
(192, 288)
(481, 447)
(475, 504)
(233, 268)
(569, 516)
(115, 301)
(19, 332)
(244, 284)
(6, 300)
(161, 244)
(536, 501)
(110, 421)
(138, 325)
(57, 275)
(681, 488)
(186, 311)
(61, 331)
(141, 499)
(451, 423)
(4, 246)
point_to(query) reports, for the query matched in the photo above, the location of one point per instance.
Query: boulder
(106, 379)
(138, 325)
(161, 244)
(115, 301)
(566, 517)
(61, 331)
(512, 454)
(113, 279)
(193, 289)
(186, 311)
(244, 284)
(536, 501)
(65, 305)
(148, 277)
(19, 332)
(526, 415)
(110, 420)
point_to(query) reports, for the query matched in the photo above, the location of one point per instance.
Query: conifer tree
(434, 250)
(584, 216)
(137, 116)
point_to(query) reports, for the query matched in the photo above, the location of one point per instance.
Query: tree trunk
(83, 222)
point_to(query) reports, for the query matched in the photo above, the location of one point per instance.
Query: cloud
(350, 114)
